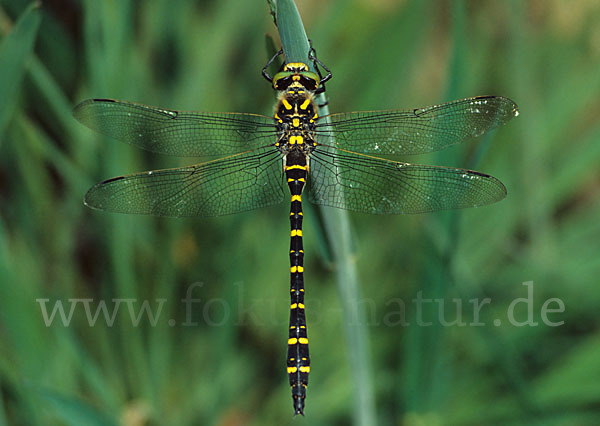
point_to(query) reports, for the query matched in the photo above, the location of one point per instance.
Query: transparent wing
(373, 185)
(417, 131)
(230, 185)
(178, 133)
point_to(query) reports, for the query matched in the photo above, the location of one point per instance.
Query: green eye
(310, 75)
(281, 76)
(310, 80)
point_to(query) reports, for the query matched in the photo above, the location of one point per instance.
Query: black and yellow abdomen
(298, 361)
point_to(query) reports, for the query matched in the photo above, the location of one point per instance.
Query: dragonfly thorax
(296, 113)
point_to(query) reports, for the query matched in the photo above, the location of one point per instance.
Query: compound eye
(309, 84)
(310, 80)
(282, 80)
(282, 83)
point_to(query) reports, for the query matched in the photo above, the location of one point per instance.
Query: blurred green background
(223, 362)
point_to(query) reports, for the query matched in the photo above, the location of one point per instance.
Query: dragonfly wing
(173, 132)
(418, 131)
(229, 185)
(373, 185)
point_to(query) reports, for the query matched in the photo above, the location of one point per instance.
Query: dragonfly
(336, 158)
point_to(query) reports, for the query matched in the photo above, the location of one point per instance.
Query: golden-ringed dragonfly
(333, 156)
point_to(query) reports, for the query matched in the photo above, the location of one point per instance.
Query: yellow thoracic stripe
(296, 140)
(286, 104)
(305, 104)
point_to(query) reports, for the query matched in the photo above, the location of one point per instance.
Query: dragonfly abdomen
(298, 361)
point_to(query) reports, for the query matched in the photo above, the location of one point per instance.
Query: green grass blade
(72, 410)
(14, 51)
(338, 232)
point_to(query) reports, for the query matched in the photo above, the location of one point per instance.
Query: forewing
(173, 132)
(417, 131)
(230, 185)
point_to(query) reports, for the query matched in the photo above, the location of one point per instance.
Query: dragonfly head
(296, 74)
